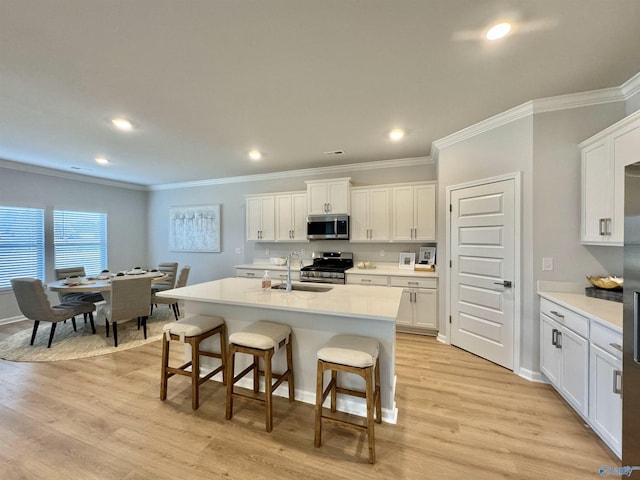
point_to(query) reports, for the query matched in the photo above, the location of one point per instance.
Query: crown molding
(631, 86)
(542, 105)
(350, 167)
(25, 167)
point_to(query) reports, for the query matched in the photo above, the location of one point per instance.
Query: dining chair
(63, 273)
(173, 302)
(130, 298)
(34, 304)
(170, 269)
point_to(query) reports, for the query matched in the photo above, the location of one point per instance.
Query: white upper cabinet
(260, 218)
(604, 157)
(413, 212)
(291, 217)
(328, 196)
(370, 214)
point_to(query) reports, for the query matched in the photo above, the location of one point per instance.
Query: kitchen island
(314, 317)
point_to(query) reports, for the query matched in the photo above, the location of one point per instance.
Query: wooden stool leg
(268, 388)
(378, 392)
(165, 363)
(230, 379)
(334, 383)
(370, 422)
(256, 373)
(290, 380)
(223, 353)
(195, 372)
(319, 391)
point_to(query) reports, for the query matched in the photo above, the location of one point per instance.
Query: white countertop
(594, 308)
(370, 302)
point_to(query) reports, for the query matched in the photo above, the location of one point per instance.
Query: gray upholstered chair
(34, 304)
(130, 298)
(173, 302)
(168, 282)
(63, 273)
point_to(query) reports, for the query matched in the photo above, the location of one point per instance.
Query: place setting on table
(102, 281)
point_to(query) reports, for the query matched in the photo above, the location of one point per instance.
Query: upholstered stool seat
(261, 340)
(193, 330)
(350, 354)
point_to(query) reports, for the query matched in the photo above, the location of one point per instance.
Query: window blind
(80, 239)
(21, 244)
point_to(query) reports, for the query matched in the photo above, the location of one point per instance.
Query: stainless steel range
(327, 267)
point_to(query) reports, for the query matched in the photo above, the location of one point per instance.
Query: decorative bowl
(277, 260)
(608, 283)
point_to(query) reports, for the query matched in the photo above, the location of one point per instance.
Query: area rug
(68, 345)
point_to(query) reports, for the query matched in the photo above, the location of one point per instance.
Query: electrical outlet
(238, 250)
(382, 253)
(547, 263)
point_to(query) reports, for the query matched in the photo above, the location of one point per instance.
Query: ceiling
(206, 81)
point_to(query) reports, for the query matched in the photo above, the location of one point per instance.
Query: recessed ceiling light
(122, 124)
(102, 160)
(498, 31)
(255, 155)
(396, 134)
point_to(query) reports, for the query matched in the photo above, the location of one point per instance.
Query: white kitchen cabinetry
(291, 217)
(275, 274)
(604, 157)
(328, 196)
(564, 353)
(418, 312)
(605, 385)
(413, 212)
(260, 217)
(370, 218)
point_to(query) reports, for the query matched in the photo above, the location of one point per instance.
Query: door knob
(504, 283)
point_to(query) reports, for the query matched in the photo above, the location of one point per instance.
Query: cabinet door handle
(554, 337)
(559, 315)
(251, 274)
(559, 339)
(617, 374)
(617, 346)
(608, 226)
(365, 280)
(413, 283)
(601, 226)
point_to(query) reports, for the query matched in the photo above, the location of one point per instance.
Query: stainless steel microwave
(328, 227)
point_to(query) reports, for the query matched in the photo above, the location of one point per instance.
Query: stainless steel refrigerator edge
(631, 322)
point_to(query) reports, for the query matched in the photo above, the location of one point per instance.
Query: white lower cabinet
(259, 272)
(580, 358)
(605, 391)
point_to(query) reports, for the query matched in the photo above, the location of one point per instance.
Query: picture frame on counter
(407, 260)
(427, 256)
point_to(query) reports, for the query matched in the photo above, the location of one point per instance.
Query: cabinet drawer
(566, 317)
(367, 279)
(244, 272)
(279, 275)
(414, 282)
(605, 338)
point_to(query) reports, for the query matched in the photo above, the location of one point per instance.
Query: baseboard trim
(531, 375)
(442, 339)
(7, 321)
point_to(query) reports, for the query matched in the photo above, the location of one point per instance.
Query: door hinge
(449, 318)
(450, 263)
(450, 207)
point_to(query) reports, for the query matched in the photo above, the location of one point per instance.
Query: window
(21, 244)
(80, 239)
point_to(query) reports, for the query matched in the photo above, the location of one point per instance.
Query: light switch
(238, 250)
(547, 263)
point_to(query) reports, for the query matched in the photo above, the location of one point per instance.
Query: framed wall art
(194, 228)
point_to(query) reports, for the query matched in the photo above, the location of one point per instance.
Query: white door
(483, 270)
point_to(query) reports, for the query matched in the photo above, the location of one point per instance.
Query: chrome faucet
(288, 289)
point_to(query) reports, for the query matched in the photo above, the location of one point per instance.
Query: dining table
(100, 283)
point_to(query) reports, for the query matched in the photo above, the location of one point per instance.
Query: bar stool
(350, 354)
(262, 340)
(193, 330)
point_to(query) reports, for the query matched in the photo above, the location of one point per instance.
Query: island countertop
(354, 301)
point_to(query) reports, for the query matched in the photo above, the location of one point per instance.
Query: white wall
(209, 266)
(126, 209)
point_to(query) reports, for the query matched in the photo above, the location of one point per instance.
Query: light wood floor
(460, 417)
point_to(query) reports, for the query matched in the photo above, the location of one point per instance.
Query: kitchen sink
(302, 288)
